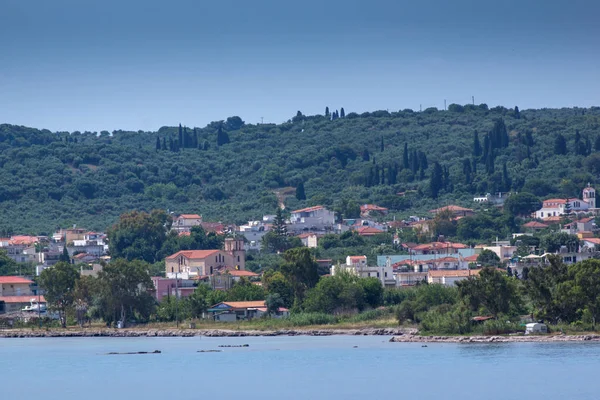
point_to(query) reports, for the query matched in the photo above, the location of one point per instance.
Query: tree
(522, 204)
(405, 163)
(139, 235)
(365, 155)
(342, 112)
(373, 291)
(275, 282)
(59, 283)
(586, 287)
(273, 302)
(341, 293)
(436, 182)
(327, 112)
(382, 145)
(552, 242)
(476, 145)
(300, 195)
(234, 123)
(244, 290)
(444, 223)
(492, 290)
(124, 291)
(8, 266)
(300, 269)
(279, 225)
(517, 113)
(488, 258)
(64, 256)
(222, 136)
(544, 285)
(560, 145)
(157, 143)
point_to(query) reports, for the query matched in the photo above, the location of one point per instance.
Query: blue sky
(106, 65)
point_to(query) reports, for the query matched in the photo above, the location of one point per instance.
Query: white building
(357, 265)
(557, 207)
(185, 222)
(312, 218)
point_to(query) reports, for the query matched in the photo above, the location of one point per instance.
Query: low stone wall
(493, 339)
(24, 333)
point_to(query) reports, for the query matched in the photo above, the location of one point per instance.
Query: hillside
(52, 179)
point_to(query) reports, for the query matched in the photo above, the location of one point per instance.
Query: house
(253, 232)
(85, 258)
(224, 279)
(457, 211)
(449, 278)
(504, 252)
(437, 248)
(177, 288)
(357, 265)
(231, 311)
(315, 218)
(369, 210)
(185, 222)
(447, 263)
(93, 270)
(582, 225)
(309, 239)
(368, 231)
(92, 243)
(192, 263)
(534, 226)
(21, 248)
(16, 293)
(496, 198)
(558, 207)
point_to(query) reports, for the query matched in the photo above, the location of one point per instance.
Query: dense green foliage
(229, 170)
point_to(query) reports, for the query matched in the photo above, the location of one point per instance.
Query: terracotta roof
(587, 219)
(591, 240)
(369, 231)
(22, 239)
(558, 201)
(216, 227)
(472, 258)
(14, 279)
(184, 233)
(454, 273)
(236, 272)
(21, 299)
(190, 216)
(535, 225)
(452, 208)
(306, 235)
(308, 209)
(244, 304)
(440, 245)
(372, 207)
(552, 219)
(193, 254)
(444, 259)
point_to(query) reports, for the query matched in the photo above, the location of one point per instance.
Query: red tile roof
(236, 272)
(372, 207)
(23, 240)
(440, 245)
(308, 209)
(244, 304)
(454, 273)
(357, 258)
(472, 258)
(368, 231)
(452, 208)
(21, 299)
(14, 279)
(591, 240)
(535, 225)
(190, 216)
(195, 254)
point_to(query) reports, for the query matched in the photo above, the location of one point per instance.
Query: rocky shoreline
(411, 338)
(24, 333)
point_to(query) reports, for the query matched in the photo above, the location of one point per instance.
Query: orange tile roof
(195, 254)
(23, 240)
(558, 201)
(357, 258)
(440, 245)
(372, 207)
(14, 279)
(244, 304)
(472, 258)
(236, 272)
(452, 208)
(308, 209)
(190, 216)
(591, 240)
(535, 224)
(368, 231)
(443, 259)
(22, 299)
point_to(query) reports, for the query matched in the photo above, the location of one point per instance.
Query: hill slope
(58, 179)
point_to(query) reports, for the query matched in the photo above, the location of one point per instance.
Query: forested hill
(231, 171)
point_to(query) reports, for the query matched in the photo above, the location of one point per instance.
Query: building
(16, 293)
(558, 207)
(225, 278)
(21, 248)
(449, 278)
(495, 199)
(534, 226)
(232, 311)
(446, 248)
(171, 287)
(309, 239)
(581, 226)
(194, 263)
(253, 232)
(589, 196)
(370, 210)
(457, 211)
(369, 231)
(185, 222)
(357, 265)
(92, 243)
(316, 218)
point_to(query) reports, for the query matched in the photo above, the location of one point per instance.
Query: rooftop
(14, 279)
(453, 208)
(308, 209)
(195, 254)
(190, 216)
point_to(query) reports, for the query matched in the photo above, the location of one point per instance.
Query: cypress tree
(342, 112)
(195, 139)
(365, 155)
(467, 170)
(506, 182)
(474, 167)
(382, 145)
(164, 144)
(64, 257)
(414, 158)
(376, 175)
(476, 145)
(327, 112)
(597, 143)
(423, 164)
(157, 143)
(300, 194)
(437, 180)
(517, 113)
(222, 136)
(560, 145)
(405, 163)
(486, 148)
(171, 144)
(180, 134)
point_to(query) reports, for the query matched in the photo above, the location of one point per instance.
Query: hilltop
(231, 171)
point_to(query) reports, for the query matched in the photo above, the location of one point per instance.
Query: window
(378, 274)
(238, 258)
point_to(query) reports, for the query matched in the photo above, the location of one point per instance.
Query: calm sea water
(295, 368)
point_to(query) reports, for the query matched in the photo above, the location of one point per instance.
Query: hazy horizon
(71, 65)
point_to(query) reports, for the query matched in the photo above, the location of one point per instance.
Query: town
(219, 265)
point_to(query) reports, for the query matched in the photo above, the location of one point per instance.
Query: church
(558, 207)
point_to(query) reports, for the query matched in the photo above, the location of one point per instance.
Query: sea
(290, 368)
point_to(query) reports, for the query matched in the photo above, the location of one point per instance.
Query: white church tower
(589, 196)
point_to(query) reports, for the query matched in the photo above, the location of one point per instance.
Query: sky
(69, 65)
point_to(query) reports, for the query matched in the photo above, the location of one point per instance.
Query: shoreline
(90, 332)
(409, 338)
